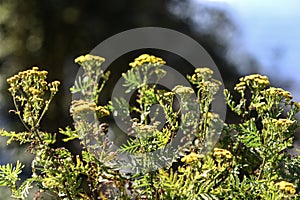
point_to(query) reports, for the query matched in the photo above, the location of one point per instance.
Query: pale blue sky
(270, 30)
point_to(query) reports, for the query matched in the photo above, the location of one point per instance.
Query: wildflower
(43, 82)
(297, 104)
(13, 80)
(222, 153)
(102, 111)
(55, 83)
(81, 106)
(286, 186)
(191, 157)
(54, 86)
(183, 90)
(203, 70)
(240, 86)
(201, 74)
(255, 77)
(254, 80)
(88, 57)
(35, 68)
(272, 91)
(146, 58)
(283, 122)
(34, 91)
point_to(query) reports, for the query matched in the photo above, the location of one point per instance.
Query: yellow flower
(55, 83)
(34, 91)
(286, 186)
(297, 104)
(13, 79)
(35, 68)
(272, 91)
(292, 190)
(146, 58)
(240, 86)
(201, 74)
(191, 157)
(222, 153)
(183, 90)
(283, 122)
(204, 70)
(102, 111)
(88, 57)
(81, 106)
(255, 78)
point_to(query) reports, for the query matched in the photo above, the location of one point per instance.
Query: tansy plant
(249, 162)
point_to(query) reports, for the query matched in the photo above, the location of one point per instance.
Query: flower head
(283, 122)
(102, 111)
(191, 157)
(222, 153)
(272, 91)
(297, 104)
(286, 186)
(88, 57)
(254, 81)
(81, 106)
(201, 74)
(146, 58)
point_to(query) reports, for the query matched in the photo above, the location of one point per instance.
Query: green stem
(262, 168)
(19, 113)
(44, 111)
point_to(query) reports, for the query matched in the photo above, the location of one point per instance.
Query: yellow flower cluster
(25, 74)
(180, 89)
(34, 91)
(88, 57)
(81, 106)
(222, 153)
(241, 86)
(286, 186)
(32, 82)
(204, 70)
(146, 58)
(272, 91)
(102, 111)
(262, 80)
(297, 104)
(254, 80)
(201, 74)
(191, 157)
(54, 86)
(283, 122)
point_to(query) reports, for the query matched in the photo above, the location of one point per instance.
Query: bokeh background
(242, 37)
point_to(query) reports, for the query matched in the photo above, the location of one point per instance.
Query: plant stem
(262, 168)
(19, 113)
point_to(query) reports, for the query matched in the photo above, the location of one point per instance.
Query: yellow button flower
(88, 57)
(286, 186)
(222, 153)
(191, 157)
(146, 58)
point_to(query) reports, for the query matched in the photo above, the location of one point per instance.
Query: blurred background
(242, 37)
